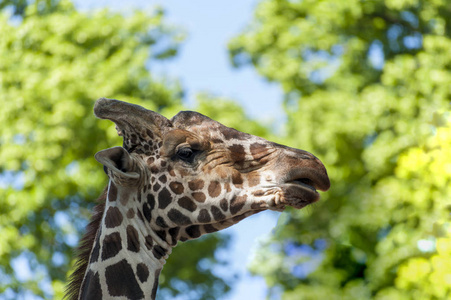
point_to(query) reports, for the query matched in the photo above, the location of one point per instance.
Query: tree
(366, 84)
(53, 67)
(19, 7)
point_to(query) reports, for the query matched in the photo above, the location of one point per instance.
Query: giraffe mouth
(303, 190)
(305, 183)
(298, 194)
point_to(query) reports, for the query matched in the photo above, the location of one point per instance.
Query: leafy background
(367, 88)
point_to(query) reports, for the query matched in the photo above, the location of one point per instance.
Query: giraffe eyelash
(187, 154)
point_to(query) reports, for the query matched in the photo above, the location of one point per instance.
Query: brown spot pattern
(130, 213)
(258, 205)
(150, 160)
(253, 180)
(111, 245)
(113, 217)
(176, 187)
(154, 169)
(112, 193)
(121, 281)
(142, 271)
(196, 184)
(224, 204)
(237, 153)
(178, 218)
(193, 231)
(132, 239)
(158, 252)
(171, 171)
(163, 179)
(156, 187)
(187, 203)
(91, 286)
(161, 223)
(173, 232)
(214, 189)
(161, 234)
(237, 204)
(258, 150)
(204, 216)
(149, 242)
(217, 214)
(151, 201)
(164, 198)
(147, 212)
(237, 179)
(199, 197)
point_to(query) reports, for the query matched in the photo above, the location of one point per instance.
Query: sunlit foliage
(367, 87)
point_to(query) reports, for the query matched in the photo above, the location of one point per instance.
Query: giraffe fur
(176, 180)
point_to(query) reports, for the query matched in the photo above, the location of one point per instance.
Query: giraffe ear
(119, 164)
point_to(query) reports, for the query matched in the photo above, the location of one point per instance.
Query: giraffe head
(192, 175)
(174, 180)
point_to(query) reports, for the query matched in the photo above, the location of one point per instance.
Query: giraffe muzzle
(302, 177)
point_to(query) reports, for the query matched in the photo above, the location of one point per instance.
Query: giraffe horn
(131, 114)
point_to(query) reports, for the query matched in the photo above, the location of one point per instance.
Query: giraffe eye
(186, 154)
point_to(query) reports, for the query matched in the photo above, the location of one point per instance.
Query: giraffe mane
(83, 251)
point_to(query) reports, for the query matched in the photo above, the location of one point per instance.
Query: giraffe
(175, 180)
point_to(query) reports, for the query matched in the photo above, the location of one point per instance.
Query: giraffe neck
(127, 257)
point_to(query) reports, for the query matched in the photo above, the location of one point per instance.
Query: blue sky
(203, 65)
